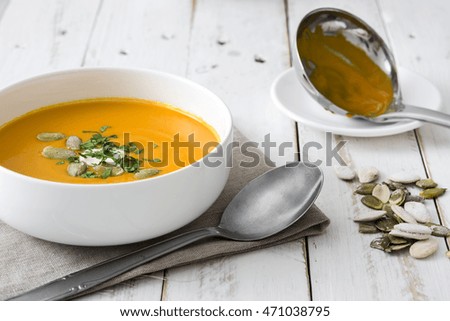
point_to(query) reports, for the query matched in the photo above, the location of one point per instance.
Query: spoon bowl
(359, 39)
(271, 202)
(267, 205)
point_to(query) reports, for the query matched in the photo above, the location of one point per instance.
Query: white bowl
(111, 214)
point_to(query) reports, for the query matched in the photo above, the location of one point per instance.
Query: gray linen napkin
(27, 262)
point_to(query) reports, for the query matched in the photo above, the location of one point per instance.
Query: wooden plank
(226, 37)
(3, 5)
(342, 265)
(147, 34)
(142, 34)
(54, 36)
(143, 288)
(421, 44)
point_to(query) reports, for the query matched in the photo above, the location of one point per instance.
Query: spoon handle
(85, 279)
(418, 113)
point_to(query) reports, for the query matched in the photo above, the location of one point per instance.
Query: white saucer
(294, 101)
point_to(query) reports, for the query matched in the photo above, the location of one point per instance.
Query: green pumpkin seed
(397, 240)
(73, 142)
(385, 224)
(390, 213)
(50, 137)
(365, 189)
(414, 198)
(426, 183)
(115, 170)
(76, 169)
(367, 228)
(397, 197)
(372, 202)
(146, 173)
(432, 192)
(57, 153)
(398, 247)
(381, 243)
(394, 185)
(382, 192)
(438, 230)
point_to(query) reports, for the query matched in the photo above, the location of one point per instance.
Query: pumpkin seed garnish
(145, 173)
(110, 159)
(50, 137)
(73, 142)
(57, 153)
(76, 169)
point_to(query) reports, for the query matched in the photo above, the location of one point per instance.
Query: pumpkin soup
(104, 140)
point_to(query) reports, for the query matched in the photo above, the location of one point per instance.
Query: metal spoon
(365, 38)
(267, 205)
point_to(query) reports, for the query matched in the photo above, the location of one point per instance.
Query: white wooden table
(215, 43)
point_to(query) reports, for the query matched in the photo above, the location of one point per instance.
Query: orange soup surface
(122, 140)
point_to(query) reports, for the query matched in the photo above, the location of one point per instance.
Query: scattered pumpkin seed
(397, 197)
(439, 230)
(345, 173)
(404, 177)
(50, 137)
(367, 228)
(414, 198)
(418, 211)
(369, 216)
(380, 243)
(423, 249)
(385, 224)
(447, 254)
(398, 247)
(397, 240)
(57, 153)
(372, 202)
(382, 192)
(411, 231)
(403, 214)
(394, 185)
(432, 192)
(367, 174)
(365, 189)
(426, 183)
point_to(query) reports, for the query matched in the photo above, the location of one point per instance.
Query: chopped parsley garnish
(108, 155)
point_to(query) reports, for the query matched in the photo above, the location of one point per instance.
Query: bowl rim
(185, 80)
